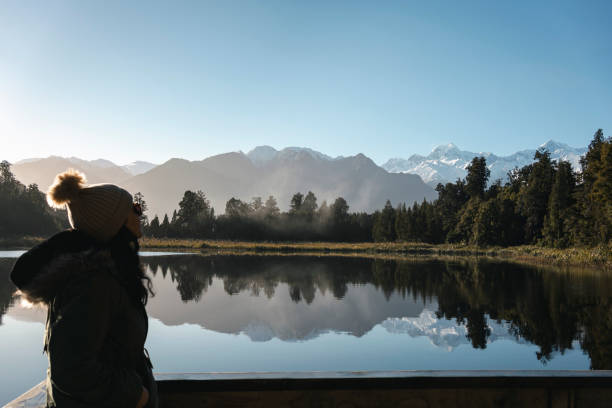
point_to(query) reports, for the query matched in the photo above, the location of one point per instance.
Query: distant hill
(447, 162)
(138, 167)
(42, 170)
(266, 171)
(358, 179)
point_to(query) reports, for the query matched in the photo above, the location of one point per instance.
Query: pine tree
(139, 199)
(271, 208)
(533, 197)
(296, 204)
(477, 176)
(309, 206)
(339, 210)
(402, 228)
(556, 230)
(487, 224)
(594, 222)
(463, 231)
(235, 208)
(164, 228)
(384, 226)
(195, 217)
(451, 198)
(153, 228)
(435, 234)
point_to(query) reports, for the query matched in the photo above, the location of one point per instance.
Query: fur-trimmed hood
(63, 270)
(42, 271)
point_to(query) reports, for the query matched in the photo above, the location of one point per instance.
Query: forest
(545, 203)
(24, 210)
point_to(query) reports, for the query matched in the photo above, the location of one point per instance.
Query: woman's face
(133, 224)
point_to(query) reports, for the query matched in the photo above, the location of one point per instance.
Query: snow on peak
(451, 147)
(444, 151)
(444, 333)
(447, 162)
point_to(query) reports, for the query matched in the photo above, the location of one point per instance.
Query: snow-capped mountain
(447, 163)
(444, 333)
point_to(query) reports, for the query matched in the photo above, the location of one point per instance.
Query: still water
(292, 313)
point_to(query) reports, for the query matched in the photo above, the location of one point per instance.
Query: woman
(95, 290)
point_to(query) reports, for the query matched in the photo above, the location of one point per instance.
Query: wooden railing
(557, 389)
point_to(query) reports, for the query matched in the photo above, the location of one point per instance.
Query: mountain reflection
(297, 298)
(549, 309)
(265, 297)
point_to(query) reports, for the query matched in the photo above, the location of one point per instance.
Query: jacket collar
(63, 269)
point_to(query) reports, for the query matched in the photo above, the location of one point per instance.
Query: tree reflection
(552, 310)
(6, 287)
(548, 309)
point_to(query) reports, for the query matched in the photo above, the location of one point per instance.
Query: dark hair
(124, 251)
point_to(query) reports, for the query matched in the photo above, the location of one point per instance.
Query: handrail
(403, 381)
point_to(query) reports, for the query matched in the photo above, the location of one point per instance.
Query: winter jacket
(95, 334)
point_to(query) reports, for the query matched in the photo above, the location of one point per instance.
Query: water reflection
(549, 309)
(299, 298)
(6, 288)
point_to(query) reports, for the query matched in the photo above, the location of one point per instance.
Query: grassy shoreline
(597, 257)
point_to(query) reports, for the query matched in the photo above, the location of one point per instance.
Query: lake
(216, 313)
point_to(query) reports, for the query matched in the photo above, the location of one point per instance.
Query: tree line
(24, 209)
(259, 220)
(546, 202)
(551, 311)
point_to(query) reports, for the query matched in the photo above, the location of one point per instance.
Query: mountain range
(358, 179)
(266, 171)
(262, 172)
(42, 170)
(447, 334)
(448, 163)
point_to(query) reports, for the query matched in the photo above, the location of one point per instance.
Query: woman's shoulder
(71, 271)
(30, 264)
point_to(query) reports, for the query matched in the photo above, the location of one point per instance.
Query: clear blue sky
(153, 80)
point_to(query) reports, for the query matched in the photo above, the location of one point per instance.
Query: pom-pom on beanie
(99, 210)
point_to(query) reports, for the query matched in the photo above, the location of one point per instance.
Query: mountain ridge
(363, 184)
(265, 171)
(133, 168)
(447, 163)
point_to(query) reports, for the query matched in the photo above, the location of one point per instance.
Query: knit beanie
(99, 210)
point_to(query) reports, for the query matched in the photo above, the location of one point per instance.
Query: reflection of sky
(244, 332)
(362, 307)
(205, 350)
(11, 254)
(190, 348)
(23, 363)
